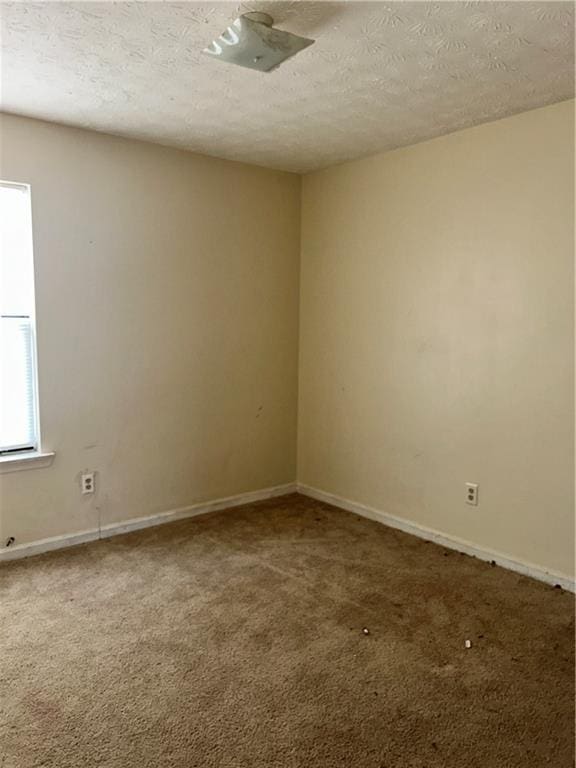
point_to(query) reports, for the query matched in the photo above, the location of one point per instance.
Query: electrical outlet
(472, 494)
(87, 482)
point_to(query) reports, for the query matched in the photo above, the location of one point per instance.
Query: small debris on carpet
(467, 644)
(366, 631)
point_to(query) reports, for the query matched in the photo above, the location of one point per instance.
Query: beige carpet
(236, 640)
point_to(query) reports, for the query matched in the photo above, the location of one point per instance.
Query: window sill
(19, 461)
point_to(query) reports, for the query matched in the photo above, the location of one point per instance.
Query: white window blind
(18, 381)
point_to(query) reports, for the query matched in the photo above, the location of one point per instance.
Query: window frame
(24, 451)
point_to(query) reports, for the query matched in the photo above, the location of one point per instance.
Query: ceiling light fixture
(252, 42)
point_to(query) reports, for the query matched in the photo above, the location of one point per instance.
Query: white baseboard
(18, 551)
(450, 542)
(202, 508)
(135, 524)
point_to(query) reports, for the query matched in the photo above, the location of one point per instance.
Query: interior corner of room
(411, 312)
(287, 384)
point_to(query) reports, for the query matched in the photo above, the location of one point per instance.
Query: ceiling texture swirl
(380, 75)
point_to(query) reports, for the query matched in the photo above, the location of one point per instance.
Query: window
(18, 382)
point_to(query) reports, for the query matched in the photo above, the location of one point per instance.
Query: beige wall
(436, 346)
(167, 305)
(437, 338)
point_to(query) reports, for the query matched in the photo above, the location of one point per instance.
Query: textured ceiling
(380, 75)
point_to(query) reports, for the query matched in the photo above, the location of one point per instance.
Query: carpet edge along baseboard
(28, 549)
(443, 539)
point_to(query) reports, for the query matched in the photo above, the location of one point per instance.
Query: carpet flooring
(236, 640)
